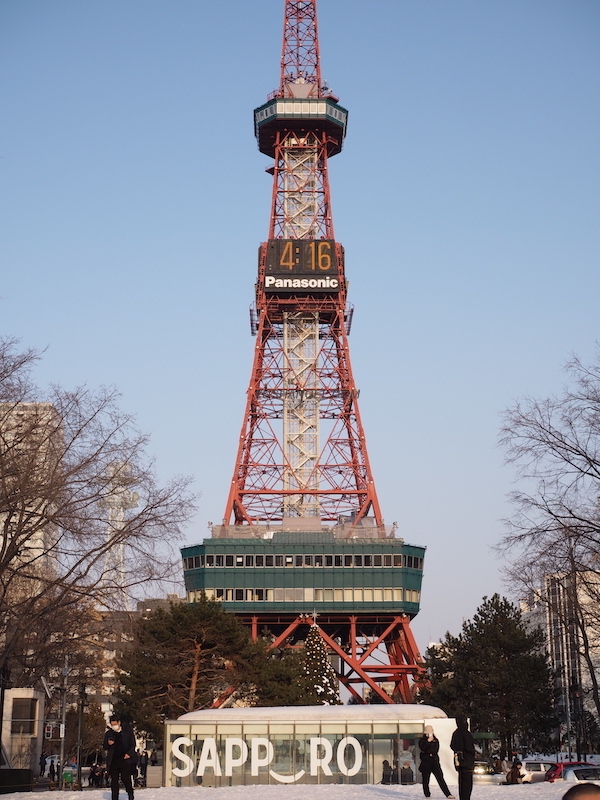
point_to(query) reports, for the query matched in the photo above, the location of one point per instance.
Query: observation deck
(317, 115)
(304, 572)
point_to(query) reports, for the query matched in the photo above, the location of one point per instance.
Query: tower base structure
(361, 586)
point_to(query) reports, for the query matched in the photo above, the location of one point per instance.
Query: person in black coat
(119, 743)
(430, 762)
(464, 756)
(386, 776)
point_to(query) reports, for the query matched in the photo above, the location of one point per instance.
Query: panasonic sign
(260, 752)
(275, 283)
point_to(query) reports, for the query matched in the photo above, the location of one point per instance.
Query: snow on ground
(537, 791)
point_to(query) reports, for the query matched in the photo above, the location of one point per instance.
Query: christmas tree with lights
(320, 680)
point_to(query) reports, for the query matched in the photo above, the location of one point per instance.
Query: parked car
(555, 773)
(536, 770)
(589, 774)
(484, 774)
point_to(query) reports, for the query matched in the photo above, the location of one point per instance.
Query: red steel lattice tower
(302, 449)
(302, 535)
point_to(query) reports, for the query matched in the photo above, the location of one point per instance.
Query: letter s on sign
(179, 771)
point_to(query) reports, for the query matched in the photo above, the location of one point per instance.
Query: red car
(555, 773)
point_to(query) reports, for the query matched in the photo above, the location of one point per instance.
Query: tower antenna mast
(302, 449)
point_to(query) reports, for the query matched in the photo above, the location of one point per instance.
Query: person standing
(154, 758)
(430, 762)
(43, 760)
(52, 771)
(119, 743)
(463, 745)
(143, 766)
(386, 774)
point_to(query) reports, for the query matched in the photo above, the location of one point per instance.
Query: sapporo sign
(259, 753)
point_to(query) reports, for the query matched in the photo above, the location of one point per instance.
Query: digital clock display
(302, 265)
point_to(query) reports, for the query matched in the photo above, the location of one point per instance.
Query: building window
(269, 561)
(249, 561)
(218, 561)
(337, 560)
(358, 561)
(239, 594)
(278, 561)
(308, 560)
(23, 715)
(210, 561)
(239, 561)
(387, 560)
(318, 561)
(260, 561)
(329, 561)
(299, 561)
(377, 561)
(368, 561)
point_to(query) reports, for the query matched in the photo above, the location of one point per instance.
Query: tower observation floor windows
(306, 572)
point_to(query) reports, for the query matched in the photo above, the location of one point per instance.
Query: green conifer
(319, 677)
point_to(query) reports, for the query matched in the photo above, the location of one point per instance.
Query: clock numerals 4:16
(316, 256)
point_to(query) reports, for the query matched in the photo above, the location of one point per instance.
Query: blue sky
(133, 199)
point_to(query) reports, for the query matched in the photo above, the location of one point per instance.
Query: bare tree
(68, 459)
(555, 445)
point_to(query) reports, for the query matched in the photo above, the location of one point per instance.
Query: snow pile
(537, 791)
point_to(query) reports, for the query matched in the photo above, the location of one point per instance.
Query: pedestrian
(407, 776)
(154, 758)
(143, 766)
(52, 771)
(430, 762)
(583, 791)
(464, 756)
(386, 775)
(513, 775)
(43, 760)
(119, 743)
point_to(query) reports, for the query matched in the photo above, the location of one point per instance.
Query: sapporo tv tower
(303, 538)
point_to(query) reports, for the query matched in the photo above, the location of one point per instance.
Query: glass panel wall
(302, 751)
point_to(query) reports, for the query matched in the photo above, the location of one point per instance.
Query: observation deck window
(337, 561)
(260, 560)
(249, 561)
(377, 560)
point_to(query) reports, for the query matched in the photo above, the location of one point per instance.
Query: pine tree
(495, 672)
(319, 678)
